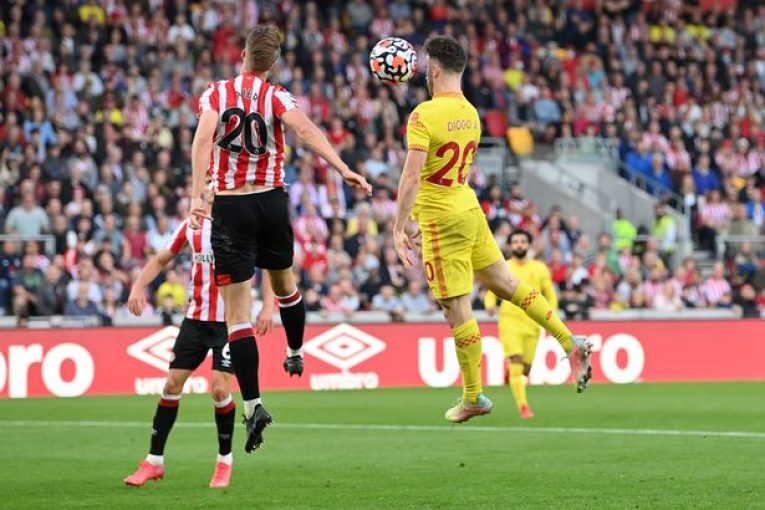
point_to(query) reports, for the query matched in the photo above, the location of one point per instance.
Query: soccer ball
(393, 60)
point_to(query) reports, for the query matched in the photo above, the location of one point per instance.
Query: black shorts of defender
(249, 231)
(194, 341)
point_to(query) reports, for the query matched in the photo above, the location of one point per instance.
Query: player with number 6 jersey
(443, 136)
(202, 330)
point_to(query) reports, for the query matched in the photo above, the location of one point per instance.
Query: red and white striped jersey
(205, 301)
(248, 146)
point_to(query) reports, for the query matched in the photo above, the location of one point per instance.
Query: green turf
(68, 466)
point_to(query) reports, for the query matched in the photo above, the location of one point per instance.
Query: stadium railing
(723, 242)
(492, 156)
(587, 149)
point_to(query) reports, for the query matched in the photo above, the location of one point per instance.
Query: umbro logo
(344, 346)
(156, 349)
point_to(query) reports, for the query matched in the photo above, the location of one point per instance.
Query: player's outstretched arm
(201, 148)
(408, 187)
(137, 298)
(312, 136)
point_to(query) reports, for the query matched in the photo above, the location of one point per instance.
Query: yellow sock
(536, 306)
(467, 339)
(517, 384)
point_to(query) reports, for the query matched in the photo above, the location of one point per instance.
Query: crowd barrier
(98, 361)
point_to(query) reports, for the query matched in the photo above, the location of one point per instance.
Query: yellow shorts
(453, 248)
(519, 338)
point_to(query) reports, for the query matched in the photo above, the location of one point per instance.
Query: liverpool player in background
(203, 328)
(240, 142)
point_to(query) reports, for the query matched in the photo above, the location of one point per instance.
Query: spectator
(28, 284)
(623, 231)
(746, 299)
(10, 263)
(27, 219)
(159, 236)
(664, 230)
(703, 176)
(387, 301)
(667, 300)
(414, 300)
(741, 225)
(81, 305)
(715, 218)
(172, 293)
(716, 287)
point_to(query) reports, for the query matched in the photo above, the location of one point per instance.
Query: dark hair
(448, 52)
(520, 232)
(262, 48)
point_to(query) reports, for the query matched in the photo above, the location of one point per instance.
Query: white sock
(295, 352)
(249, 406)
(223, 403)
(226, 459)
(156, 460)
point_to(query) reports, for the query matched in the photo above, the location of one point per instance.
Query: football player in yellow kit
(443, 135)
(517, 332)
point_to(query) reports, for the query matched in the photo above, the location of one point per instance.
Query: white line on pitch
(404, 428)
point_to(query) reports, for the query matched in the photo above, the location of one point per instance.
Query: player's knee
(526, 369)
(283, 282)
(172, 387)
(516, 359)
(174, 384)
(219, 393)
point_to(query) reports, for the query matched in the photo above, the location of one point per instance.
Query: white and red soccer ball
(393, 60)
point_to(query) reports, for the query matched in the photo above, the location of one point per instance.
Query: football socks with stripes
(244, 359)
(517, 384)
(164, 418)
(538, 309)
(225, 413)
(292, 312)
(467, 340)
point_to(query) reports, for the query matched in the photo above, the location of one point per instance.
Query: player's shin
(467, 340)
(225, 413)
(245, 360)
(517, 384)
(292, 312)
(538, 309)
(164, 418)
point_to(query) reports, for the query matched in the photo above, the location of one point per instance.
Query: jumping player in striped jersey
(240, 143)
(202, 329)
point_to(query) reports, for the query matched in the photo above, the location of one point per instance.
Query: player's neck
(260, 76)
(448, 86)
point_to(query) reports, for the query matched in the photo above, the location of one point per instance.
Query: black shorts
(249, 231)
(195, 339)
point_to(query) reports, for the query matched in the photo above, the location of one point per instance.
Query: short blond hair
(262, 49)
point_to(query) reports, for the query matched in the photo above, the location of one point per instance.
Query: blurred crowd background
(97, 103)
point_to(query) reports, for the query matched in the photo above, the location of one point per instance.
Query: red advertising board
(72, 362)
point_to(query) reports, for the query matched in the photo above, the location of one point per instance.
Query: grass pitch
(637, 446)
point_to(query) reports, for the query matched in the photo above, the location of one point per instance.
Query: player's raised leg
(498, 279)
(225, 413)
(153, 466)
(245, 359)
(292, 312)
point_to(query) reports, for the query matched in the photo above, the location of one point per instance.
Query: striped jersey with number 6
(448, 129)
(248, 146)
(205, 301)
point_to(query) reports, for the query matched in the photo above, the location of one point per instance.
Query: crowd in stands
(97, 115)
